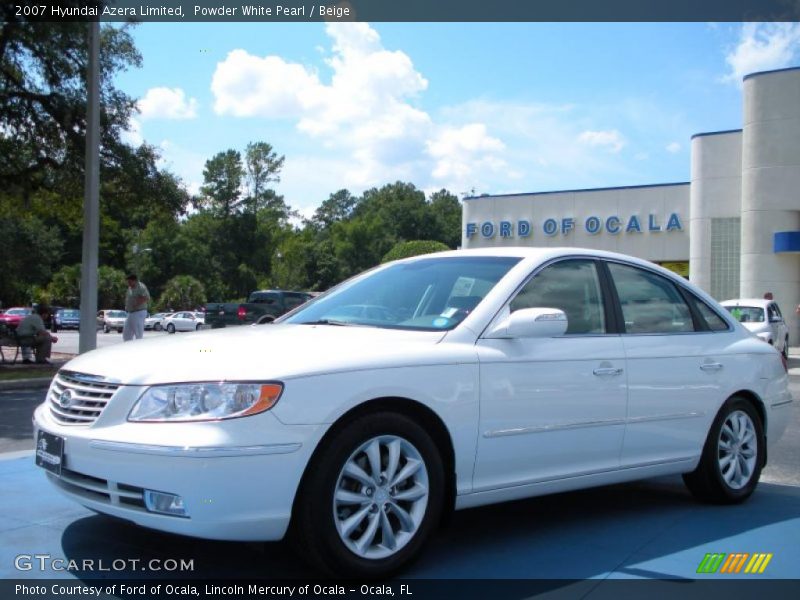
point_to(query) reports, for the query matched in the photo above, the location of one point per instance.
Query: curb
(26, 384)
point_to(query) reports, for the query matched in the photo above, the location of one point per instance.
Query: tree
(262, 167)
(446, 211)
(414, 248)
(111, 287)
(43, 100)
(182, 292)
(338, 207)
(28, 249)
(221, 191)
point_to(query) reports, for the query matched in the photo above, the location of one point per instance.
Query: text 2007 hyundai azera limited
(430, 384)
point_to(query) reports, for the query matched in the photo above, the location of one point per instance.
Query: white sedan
(155, 322)
(183, 321)
(762, 318)
(489, 375)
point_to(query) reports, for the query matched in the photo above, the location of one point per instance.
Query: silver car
(762, 318)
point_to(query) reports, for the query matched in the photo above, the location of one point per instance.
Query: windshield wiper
(331, 322)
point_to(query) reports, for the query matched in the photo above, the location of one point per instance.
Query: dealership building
(733, 229)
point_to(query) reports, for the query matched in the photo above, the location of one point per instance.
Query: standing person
(32, 332)
(136, 299)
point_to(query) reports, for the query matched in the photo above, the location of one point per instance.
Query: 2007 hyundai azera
(434, 383)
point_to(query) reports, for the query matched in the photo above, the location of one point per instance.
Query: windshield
(433, 294)
(747, 314)
(19, 311)
(69, 313)
(115, 314)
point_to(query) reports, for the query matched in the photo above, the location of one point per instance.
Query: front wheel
(733, 455)
(786, 348)
(157, 327)
(170, 328)
(371, 497)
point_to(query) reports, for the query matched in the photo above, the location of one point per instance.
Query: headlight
(204, 401)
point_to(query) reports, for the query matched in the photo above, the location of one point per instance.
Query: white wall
(716, 192)
(771, 188)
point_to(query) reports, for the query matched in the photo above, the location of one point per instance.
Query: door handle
(607, 371)
(711, 366)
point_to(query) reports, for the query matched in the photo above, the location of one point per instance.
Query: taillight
(241, 313)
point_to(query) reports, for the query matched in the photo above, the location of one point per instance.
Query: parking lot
(646, 530)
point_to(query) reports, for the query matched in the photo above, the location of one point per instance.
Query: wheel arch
(422, 415)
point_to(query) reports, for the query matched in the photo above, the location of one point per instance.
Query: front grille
(88, 396)
(100, 490)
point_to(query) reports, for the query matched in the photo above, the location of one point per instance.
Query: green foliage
(223, 175)
(111, 287)
(414, 248)
(182, 292)
(29, 248)
(43, 101)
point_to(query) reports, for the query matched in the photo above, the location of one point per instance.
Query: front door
(553, 407)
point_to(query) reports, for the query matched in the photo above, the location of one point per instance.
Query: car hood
(258, 352)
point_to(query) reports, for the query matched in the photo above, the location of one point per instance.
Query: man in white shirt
(136, 300)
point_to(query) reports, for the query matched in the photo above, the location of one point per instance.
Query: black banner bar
(402, 10)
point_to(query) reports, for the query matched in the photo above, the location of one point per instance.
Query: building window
(725, 257)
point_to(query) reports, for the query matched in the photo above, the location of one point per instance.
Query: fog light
(166, 504)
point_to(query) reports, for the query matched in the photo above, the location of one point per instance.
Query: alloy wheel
(381, 496)
(737, 449)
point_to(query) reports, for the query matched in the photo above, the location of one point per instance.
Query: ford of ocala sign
(592, 225)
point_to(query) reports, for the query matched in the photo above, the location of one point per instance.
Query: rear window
(747, 314)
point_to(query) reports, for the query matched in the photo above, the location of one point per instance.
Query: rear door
(675, 368)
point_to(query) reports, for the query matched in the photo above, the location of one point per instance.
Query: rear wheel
(371, 498)
(157, 327)
(733, 455)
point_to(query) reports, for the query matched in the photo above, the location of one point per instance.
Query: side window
(650, 303)
(709, 315)
(572, 286)
(774, 313)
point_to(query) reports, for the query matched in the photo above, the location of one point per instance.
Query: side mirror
(531, 323)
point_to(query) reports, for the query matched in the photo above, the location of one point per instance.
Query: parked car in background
(488, 376)
(183, 321)
(156, 321)
(762, 318)
(111, 319)
(263, 306)
(13, 316)
(68, 318)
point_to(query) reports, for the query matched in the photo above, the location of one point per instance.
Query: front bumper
(237, 478)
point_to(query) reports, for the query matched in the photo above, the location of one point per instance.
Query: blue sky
(484, 107)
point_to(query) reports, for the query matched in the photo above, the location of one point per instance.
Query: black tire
(786, 348)
(707, 482)
(198, 326)
(157, 327)
(170, 328)
(106, 329)
(314, 532)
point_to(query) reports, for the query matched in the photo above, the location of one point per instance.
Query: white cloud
(611, 139)
(762, 47)
(673, 147)
(459, 151)
(366, 111)
(167, 103)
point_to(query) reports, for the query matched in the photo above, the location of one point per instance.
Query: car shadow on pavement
(651, 529)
